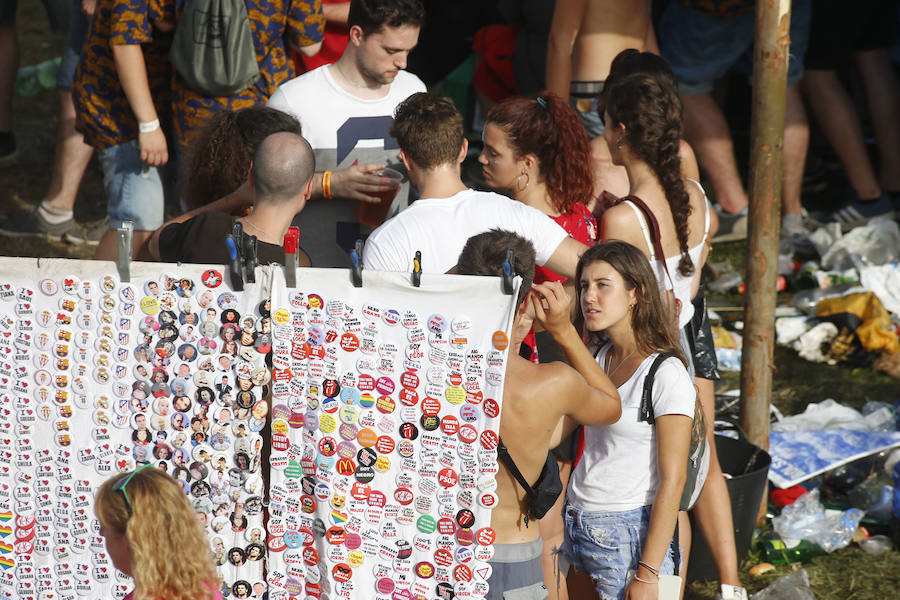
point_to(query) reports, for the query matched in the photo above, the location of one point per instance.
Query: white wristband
(149, 126)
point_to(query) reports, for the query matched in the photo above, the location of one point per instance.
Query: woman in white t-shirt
(623, 498)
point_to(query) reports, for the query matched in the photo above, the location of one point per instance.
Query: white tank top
(673, 280)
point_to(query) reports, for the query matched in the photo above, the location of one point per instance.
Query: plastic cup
(374, 213)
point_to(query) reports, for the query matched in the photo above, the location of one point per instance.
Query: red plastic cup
(374, 213)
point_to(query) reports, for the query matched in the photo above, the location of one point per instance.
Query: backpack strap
(646, 411)
(504, 456)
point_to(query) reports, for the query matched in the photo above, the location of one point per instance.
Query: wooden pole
(770, 60)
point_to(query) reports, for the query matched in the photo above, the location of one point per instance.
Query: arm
(336, 13)
(565, 258)
(567, 18)
(305, 26)
(597, 401)
(129, 61)
(228, 204)
(673, 434)
(356, 182)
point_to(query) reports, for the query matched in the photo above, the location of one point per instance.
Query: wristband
(649, 568)
(149, 126)
(326, 184)
(636, 578)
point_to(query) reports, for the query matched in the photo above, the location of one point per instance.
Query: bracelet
(149, 126)
(649, 568)
(326, 184)
(636, 578)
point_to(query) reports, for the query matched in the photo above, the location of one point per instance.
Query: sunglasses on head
(120, 486)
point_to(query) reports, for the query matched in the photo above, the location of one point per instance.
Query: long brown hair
(640, 93)
(653, 327)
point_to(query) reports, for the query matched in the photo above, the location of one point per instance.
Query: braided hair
(641, 94)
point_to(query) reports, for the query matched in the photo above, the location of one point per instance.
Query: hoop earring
(527, 181)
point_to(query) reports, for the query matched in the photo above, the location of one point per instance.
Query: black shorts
(700, 339)
(838, 29)
(58, 12)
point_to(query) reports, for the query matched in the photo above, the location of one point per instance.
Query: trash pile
(845, 306)
(848, 463)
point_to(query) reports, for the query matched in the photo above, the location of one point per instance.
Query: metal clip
(123, 259)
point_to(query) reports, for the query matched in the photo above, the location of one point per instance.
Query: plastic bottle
(34, 79)
(782, 552)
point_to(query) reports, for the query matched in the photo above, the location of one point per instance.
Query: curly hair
(652, 324)
(551, 130)
(220, 158)
(641, 94)
(160, 518)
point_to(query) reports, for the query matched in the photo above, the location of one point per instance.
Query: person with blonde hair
(143, 514)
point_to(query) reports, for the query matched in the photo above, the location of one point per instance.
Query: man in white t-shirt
(345, 110)
(429, 130)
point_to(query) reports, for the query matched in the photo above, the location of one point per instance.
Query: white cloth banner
(99, 376)
(385, 420)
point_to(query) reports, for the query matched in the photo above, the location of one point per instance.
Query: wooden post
(770, 60)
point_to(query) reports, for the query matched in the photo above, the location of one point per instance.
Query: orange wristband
(326, 184)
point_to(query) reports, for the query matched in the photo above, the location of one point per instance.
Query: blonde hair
(161, 521)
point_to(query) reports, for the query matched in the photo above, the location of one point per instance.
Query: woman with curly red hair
(536, 150)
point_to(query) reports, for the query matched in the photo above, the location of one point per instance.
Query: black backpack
(213, 47)
(698, 450)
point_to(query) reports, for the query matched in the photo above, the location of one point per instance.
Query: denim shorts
(607, 545)
(703, 48)
(583, 97)
(78, 29)
(134, 191)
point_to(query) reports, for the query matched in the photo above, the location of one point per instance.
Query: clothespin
(250, 259)
(509, 272)
(291, 244)
(417, 269)
(123, 259)
(237, 276)
(356, 269)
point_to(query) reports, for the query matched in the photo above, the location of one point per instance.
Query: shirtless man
(584, 38)
(541, 404)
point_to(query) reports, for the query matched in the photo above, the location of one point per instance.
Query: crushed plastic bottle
(790, 587)
(877, 544)
(880, 416)
(727, 281)
(807, 519)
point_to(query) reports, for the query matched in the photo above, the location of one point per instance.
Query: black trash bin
(748, 468)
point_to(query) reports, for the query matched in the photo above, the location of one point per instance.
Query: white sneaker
(731, 592)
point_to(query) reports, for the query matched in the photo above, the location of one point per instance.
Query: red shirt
(580, 225)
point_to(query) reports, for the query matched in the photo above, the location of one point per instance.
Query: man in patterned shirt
(121, 97)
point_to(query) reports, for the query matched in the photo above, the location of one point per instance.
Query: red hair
(550, 129)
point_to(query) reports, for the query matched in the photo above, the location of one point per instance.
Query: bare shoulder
(620, 223)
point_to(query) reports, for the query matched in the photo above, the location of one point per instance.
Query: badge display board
(385, 418)
(98, 376)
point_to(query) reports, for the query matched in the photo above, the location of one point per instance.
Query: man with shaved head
(280, 181)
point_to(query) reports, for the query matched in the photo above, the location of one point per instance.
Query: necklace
(247, 222)
(621, 362)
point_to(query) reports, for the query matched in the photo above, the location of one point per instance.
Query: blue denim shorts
(702, 48)
(134, 191)
(607, 545)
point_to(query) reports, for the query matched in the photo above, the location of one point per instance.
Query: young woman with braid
(642, 111)
(536, 151)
